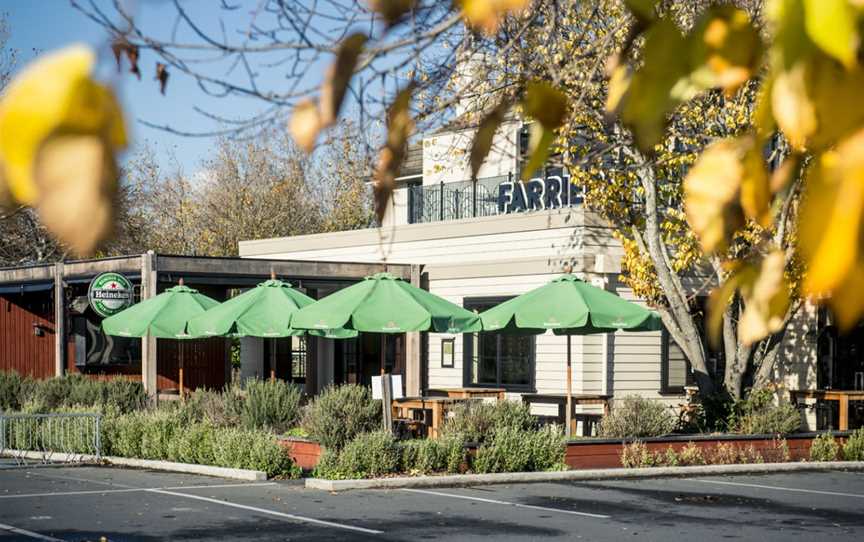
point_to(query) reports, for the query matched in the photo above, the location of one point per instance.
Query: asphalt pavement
(99, 503)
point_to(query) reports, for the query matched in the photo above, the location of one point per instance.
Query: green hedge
(162, 435)
(27, 394)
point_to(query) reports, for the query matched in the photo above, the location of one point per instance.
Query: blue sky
(38, 26)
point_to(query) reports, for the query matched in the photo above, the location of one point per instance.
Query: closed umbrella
(264, 311)
(568, 306)
(163, 316)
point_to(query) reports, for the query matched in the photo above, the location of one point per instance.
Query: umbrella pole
(181, 369)
(272, 360)
(383, 352)
(568, 418)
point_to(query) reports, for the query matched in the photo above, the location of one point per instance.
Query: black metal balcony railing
(452, 201)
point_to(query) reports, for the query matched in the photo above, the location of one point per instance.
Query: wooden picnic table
(469, 393)
(560, 399)
(437, 405)
(841, 396)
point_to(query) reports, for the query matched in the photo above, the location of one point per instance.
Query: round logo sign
(109, 294)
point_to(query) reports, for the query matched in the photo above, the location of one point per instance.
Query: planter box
(304, 452)
(606, 453)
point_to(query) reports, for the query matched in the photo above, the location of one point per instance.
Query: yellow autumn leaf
(486, 15)
(847, 298)
(766, 299)
(712, 194)
(792, 106)
(652, 93)
(720, 298)
(619, 84)
(830, 226)
(725, 49)
(392, 10)
(643, 10)
(400, 126)
(56, 93)
(833, 27)
(545, 104)
(80, 212)
(482, 143)
(836, 96)
(305, 124)
(338, 76)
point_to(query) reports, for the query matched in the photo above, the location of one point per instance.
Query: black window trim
(468, 349)
(665, 389)
(451, 362)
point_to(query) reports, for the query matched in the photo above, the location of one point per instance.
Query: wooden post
(387, 402)
(568, 415)
(844, 412)
(181, 368)
(148, 343)
(272, 360)
(59, 321)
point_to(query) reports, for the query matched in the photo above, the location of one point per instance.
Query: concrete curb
(168, 466)
(574, 475)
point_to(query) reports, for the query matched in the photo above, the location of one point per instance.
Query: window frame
(448, 362)
(471, 303)
(665, 388)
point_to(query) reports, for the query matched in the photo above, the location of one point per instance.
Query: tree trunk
(677, 318)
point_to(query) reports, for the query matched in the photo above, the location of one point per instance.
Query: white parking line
(780, 488)
(129, 490)
(25, 532)
(516, 504)
(302, 519)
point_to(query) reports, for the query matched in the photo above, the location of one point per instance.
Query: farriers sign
(537, 194)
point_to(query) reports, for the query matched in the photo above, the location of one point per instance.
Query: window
(298, 359)
(448, 353)
(495, 359)
(674, 368)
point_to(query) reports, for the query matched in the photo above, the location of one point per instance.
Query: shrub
(723, 454)
(758, 415)
(749, 454)
(368, 455)
(42, 396)
(778, 452)
(159, 429)
(636, 454)
(124, 395)
(340, 413)
(270, 404)
(10, 391)
(691, 455)
(422, 456)
(516, 450)
(824, 448)
(476, 421)
(853, 450)
(637, 417)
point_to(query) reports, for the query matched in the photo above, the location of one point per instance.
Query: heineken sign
(109, 294)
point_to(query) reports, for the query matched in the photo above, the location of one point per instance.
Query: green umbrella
(264, 311)
(568, 306)
(163, 316)
(383, 303)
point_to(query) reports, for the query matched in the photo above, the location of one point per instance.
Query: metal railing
(66, 437)
(452, 201)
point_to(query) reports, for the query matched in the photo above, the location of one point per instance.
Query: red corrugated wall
(21, 350)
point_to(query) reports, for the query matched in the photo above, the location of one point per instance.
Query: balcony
(453, 201)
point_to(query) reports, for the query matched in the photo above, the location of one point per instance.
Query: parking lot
(88, 503)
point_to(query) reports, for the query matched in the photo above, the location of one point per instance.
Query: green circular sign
(109, 293)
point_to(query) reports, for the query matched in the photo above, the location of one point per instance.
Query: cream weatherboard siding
(504, 256)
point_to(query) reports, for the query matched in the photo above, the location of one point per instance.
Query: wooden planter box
(606, 453)
(304, 452)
